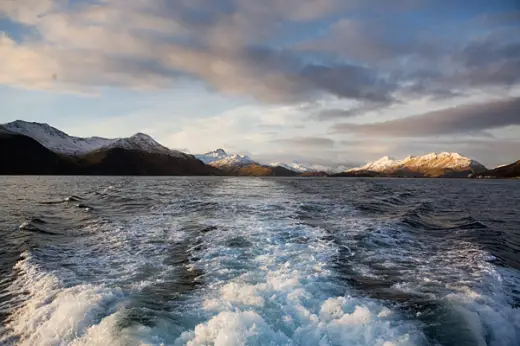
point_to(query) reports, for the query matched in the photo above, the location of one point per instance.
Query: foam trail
(56, 305)
(272, 268)
(282, 290)
(54, 314)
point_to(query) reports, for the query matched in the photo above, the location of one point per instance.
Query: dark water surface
(245, 261)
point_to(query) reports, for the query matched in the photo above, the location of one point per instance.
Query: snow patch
(219, 158)
(60, 142)
(234, 160)
(380, 165)
(296, 167)
(212, 156)
(432, 160)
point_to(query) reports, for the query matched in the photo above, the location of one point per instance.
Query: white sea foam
(58, 306)
(287, 294)
(25, 224)
(466, 282)
(54, 314)
(490, 313)
(267, 277)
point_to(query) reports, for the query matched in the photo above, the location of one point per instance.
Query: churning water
(245, 261)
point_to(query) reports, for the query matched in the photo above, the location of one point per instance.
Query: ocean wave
(262, 261)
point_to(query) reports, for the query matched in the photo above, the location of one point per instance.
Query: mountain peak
(142, 135)
(142, 141)
(27, 128)
(386, 159)
(60, 142)
(234, 160)
(379, 165)
(294, 166)
(213, 156)
(23, 123)
(431, 163)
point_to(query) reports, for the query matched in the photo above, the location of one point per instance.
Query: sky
(328, 82)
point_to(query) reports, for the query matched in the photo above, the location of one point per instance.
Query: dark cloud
(424, 60)
(358, 110)
(463, 119)
(320, 142)
(366, 41)
(502, 18)
(239, 47)
(335, 113)
(480, 63)
(348, 81)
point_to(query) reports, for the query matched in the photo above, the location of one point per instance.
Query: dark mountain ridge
(506, 171)
(23, 155)
(39, 149)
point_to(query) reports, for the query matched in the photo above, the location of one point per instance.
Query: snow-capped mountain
(380, 165)
(141, 141)
(57, 140)
(94, 155)
(243, 165)
(442, 160)
(212, 156)
(330, 169)
(220, 159)
(511, 170)
(234, 160)
(296, 167)
(60, 142)
(431, 164)
(23, 152)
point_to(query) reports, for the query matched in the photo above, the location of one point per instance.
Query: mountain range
(35, 148)
(62, 143)
(242, 165)
(505, 171)
(430, 165)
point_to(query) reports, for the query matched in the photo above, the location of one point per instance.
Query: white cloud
(140, 44)
(228, 45)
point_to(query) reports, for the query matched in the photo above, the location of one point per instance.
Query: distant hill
(365, 174)
(258, 170)
(212, 156)
(430, 165)
(296, 167)
(243, 165)
(20, 154)
(314, 174)
(34, 148)
(60, 142)
(506, 171)
(120, 161)
(232, 162)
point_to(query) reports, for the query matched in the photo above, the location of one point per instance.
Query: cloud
(229, 45)
(470, 118)
(360, 109)
(330, 60)
(317, 142)
(422, 60)
(139, 44)
(365, 40)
